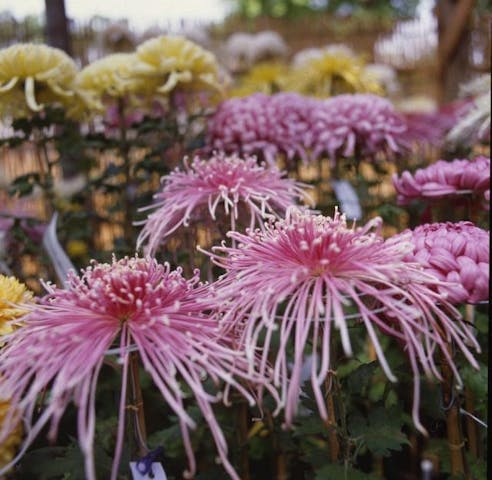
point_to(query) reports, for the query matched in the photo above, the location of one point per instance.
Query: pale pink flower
(431, 127)
(443, 178)
(194, 194)
(358, 125)
(134, 301)
(458, 254)
(299, 276)
(267, 126)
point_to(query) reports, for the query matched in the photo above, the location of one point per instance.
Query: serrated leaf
(340, 472)
(380, 431)
(359, 379)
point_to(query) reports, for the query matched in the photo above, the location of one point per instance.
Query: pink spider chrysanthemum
(133, 301)
(240, 184)
(443, 178)
(263, 125)
(358, 125)
(458, 254)
(298, 276)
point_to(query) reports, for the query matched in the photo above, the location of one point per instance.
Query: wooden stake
(331, 423)
(456, 441)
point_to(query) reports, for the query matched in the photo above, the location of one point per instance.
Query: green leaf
(339, 472)
(50, 463)
(358, 381)
(380, 431)
(24, 184)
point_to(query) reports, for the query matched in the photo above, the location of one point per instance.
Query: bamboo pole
(456, 442)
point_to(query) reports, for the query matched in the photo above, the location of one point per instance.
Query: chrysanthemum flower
(298, 276)
(12, 294)
(360, 125)
(242, 50)
(443, 178)
(262, 125)
(458, 254)
(240, 184)
(169, 62)
(64, 339)
(266, 77)
(9, 445)
(385, 75)
(474, 123)
(429, 127)
(38, 71)
(332, 74)
(109, 77)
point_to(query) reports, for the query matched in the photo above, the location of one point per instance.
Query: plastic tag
(349, 201)
(156, 472)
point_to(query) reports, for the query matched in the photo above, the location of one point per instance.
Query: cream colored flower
(12, 294)
(28, 71)
(330, 74)
(110, 76)
(266, 77)
(172, 61)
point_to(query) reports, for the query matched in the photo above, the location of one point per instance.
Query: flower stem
(138, 406)
(331, 422)
(456, 441)
(242, 437)
(280, 466)
(472, 432)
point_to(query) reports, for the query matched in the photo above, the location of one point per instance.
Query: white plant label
(349, 201)
(157, 470)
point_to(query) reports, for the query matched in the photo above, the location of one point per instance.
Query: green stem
(331, 422)
(242, 438)
(456, 441)
(137, 406)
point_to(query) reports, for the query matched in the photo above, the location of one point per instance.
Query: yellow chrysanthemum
(267, 78)
(9, 446)
(110, 76)
(28, 71)
(12, 293)
(169, 61)
(332, 75)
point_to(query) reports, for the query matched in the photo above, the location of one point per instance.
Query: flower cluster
(13, 294)
(242, 50)
(296, 278)
(332, 74)
(32, 75)
(474, 123)
(10, 444)
(263, 125)
(360, 126)
(443, 178)
(265, 77)
(458, 255)
(166, 317)
(167, 62)
(109, 77)
(241, 185)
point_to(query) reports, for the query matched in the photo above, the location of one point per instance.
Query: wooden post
(453, 18)
(57, 33)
